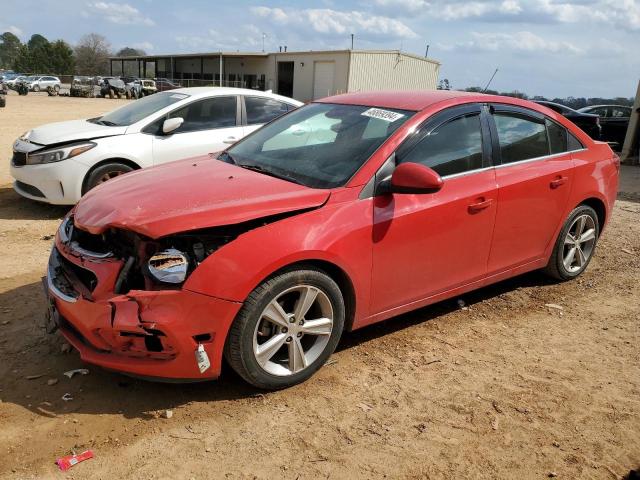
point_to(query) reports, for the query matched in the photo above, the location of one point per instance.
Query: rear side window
(454, 147)
(521, 137)
(263, 110)
(573, 143)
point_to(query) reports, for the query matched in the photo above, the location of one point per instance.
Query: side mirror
(411, 178)
(171, 125)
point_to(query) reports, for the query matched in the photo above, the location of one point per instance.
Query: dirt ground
(506, 388)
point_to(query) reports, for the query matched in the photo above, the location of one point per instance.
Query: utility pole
(352, 41)
(490, 80)
(426, 54)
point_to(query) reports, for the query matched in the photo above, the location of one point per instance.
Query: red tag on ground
(65, 463)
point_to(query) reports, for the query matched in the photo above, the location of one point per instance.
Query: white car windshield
(320, 145)
(139, 109)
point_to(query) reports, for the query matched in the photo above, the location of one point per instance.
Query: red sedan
(345, 212)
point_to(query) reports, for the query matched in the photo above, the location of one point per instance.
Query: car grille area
(19, 159)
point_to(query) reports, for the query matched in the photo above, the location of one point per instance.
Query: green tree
(62, 61)
(9, 49)
(36, 41)
(130, 52)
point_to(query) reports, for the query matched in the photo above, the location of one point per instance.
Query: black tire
(111, 95)
(3, 101)
(556, 267)
(239, 343)
(98, 175)
(36, 88)
(56, 88)
(127, 95)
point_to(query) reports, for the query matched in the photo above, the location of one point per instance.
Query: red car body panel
(209, 193)
(393, 253)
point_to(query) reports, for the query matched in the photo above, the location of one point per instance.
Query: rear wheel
(575, 245)
(104, 173)
(287, 329)
(36, 88)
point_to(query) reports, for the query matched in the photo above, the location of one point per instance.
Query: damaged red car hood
(188, 195)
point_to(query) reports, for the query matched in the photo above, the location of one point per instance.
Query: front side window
(320, 145)
(262, 110)
(454, 147)
(521, 137)
(207, 114)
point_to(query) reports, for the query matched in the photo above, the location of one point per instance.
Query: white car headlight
(58, 154)
(169, 266)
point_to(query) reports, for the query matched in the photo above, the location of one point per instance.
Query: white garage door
(323, 75)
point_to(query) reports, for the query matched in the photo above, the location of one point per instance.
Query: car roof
(215, 91)
(600, 106)
(402, 100)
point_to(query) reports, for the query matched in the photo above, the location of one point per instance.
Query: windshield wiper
(106, 123)
(226, 157)
(259, 169)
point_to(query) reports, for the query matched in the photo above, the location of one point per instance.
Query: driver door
(426, 244)
(210, 125)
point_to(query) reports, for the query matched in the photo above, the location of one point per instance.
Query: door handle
(556, 182)
(477, 207)
(230, 140)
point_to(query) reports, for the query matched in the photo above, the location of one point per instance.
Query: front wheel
(104, 173)
(287, 329)
(575, 245)
(36, 88)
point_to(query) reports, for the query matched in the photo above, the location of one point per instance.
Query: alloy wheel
(579, 243)
(109, 175)
(293, 330)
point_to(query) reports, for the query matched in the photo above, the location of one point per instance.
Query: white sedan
(59, 162)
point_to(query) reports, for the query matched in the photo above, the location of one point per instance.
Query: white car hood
(62, 132)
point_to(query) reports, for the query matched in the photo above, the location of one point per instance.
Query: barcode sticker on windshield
(381, 114)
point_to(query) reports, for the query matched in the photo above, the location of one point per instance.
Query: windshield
(136, 111)
(320, 145)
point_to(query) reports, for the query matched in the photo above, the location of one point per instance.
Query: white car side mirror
(172, 124)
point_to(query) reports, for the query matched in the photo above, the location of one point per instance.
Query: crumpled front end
(116, 318)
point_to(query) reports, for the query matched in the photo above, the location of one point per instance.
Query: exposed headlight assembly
(169, 266)
(58, 154)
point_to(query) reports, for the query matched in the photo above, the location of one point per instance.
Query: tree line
(571, 102)
(39, 55)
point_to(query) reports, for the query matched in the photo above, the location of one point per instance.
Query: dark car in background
(588, 122)
(614, 120)
(163, 84)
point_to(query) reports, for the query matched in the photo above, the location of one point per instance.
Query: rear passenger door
(260, 110)
(534, 177)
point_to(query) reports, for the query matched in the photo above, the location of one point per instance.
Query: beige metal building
(302, 75)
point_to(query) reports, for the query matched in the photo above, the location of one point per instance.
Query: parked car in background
(345, 212)
(614, 120)
(586, 121)
(11, 83)
(37, 83)
(163, 84)
(59, 162)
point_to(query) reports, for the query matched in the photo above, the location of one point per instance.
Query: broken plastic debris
(67, 397)
(554, 306)
(81, 371)
(65, 463)
(202, 359)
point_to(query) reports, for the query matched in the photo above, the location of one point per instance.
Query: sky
(555, 48)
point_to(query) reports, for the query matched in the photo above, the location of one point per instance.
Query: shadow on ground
(25, 350)
(15, 207)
